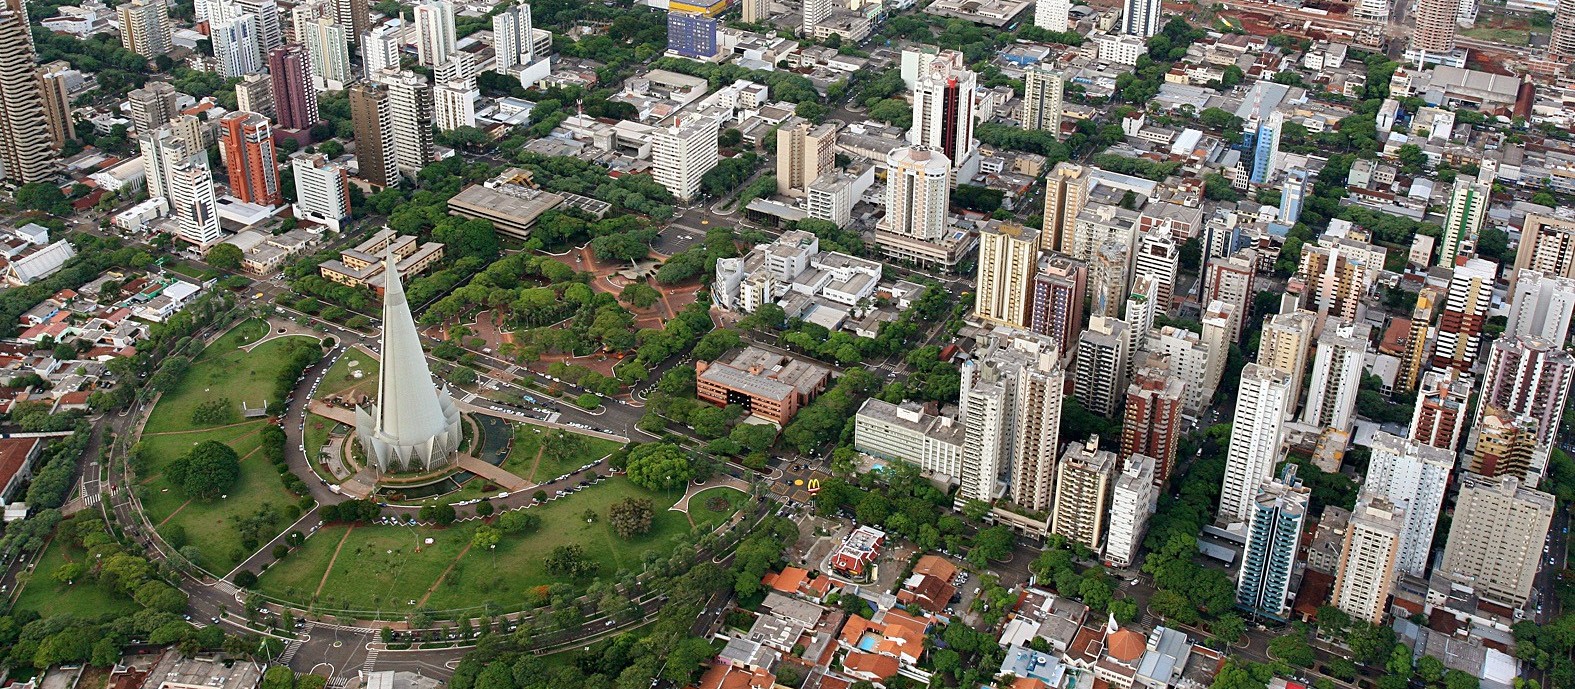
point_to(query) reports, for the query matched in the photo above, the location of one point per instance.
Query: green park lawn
(341, 376)
(365, 576)
(529, 439)
(317, 428)
(1519, 37)
(223, 370)
(86, 598)
(700, 508)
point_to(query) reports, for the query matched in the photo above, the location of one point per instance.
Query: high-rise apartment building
(380, 47)
(26, 152)
(1053, 15)
(328, 50)
(434, 32)
(1218, 318)
(1562, 45)
(943, 113)
(1151, 421)
(1284, 344)
(1158, 255)
(1256, 431)
(1102, 352)
(1503, 444)
(1368, 559)
(57, 105)
(1293, 195)
(1337, 373)
(805, 151)
(246, 144)
(152, 106)
(1188, 358)
(1414, 477)
(322, 189)
(237, 47)
(1276, 514)
(1229, 279)
(145, 27)
(511, 37)
(254, 93)
(986, 403)
(1039, 383)
(1337, 274)
(1435, 26)
(1008, 256)
(194, 202)
(270, 32)
(1059, 285)
(373, 117)
(1132, 501)
(1109, 279)
(1419, 343)
(1547, 243)
(454, 105)
(355, 15)
(1042, 92)
(755, 10)
(1084, 479)
(1266, 143)
(1468, 205)
(410, 100)
(157, 148)
(1529, 376)
(1139, 314)
(1066, 190)
(1140, 17)
(1496, 536)
(1464, 314)
(1440, 412)
(290, 78)
(918, 192)
(683, 153)
(1541, 305)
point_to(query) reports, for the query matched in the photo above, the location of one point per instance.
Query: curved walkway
(724, 482)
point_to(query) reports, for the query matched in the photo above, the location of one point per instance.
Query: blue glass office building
(691, 35)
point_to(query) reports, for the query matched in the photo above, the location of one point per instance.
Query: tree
(1228, 628)
(245, 579)
(206, 471)
(630, 517)
(570, 561)
(485, 508)
(658, 466)
(485, 537)
(70, 572)
(42, 197)
(1457, 679)
(518, 522)
(225, 256)
(440, 513)
(1293, 649)
(640, 295)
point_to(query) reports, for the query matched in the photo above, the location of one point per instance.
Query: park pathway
(330, 568)
(725, 481)
(444, 575)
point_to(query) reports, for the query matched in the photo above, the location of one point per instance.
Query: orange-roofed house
(724, 676)
(1028, 683)
(789, 580)
(898, 635)
(936, 566)
(1123, 649)
(870, 666)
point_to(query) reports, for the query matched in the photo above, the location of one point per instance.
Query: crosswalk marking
(290, 647)
(371, 659)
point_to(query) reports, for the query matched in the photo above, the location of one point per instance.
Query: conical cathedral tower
(413, 425)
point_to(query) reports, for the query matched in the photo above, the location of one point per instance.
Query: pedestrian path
(371, 660)
(290, 647)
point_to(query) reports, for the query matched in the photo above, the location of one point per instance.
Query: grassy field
(702, 511)
(340, 376)
(223, 370)
(1519, 37)
(377, 568)
(529, 440)
(317, 428)
(86, 599)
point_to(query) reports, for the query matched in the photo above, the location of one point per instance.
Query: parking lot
(676, 238)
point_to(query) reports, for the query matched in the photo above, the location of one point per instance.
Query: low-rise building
(767, 385)
(362, 266)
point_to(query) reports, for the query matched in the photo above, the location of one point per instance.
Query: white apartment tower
(1337, 373)
(1468, 205)
(511, 38)
(270, 34)
(1414, 477)
(1256, 431)
(1131, 502)
(1052, 15)
(434, 32)
(1042, 99)
(380, 48)
(1037, 418)
(1541, 304)
(683, 153)
(1283, 344)
(193, 200)
(943, 112)
(918, 192)
(236, 45)
(410, 106)
(1102, 355)
(1158, 255)
(321, 189)
(1008, 255)
(454, 106)
(1140, 17)
(1367, 561)
(328, 54)
(986, 402)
